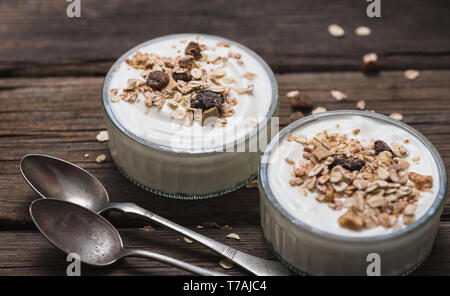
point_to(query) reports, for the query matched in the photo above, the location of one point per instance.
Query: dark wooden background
(52, 68)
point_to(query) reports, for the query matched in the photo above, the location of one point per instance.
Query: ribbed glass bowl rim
(265, 187)
(106, 104)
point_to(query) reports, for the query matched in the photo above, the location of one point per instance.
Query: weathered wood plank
(28, 253)
(38, 39)
(61, 116)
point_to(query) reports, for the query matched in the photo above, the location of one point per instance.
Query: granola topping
(170, 84)
(364, 179)
(369, 184)
(206, 99)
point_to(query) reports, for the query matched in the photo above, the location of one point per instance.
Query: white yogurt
(320, 215)
(157, 125)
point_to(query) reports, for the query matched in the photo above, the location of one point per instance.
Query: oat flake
(319, 110)
(363, 31)
(411, 74)
(338, 95)
(397, 116)
(336, 30)
(102, 136)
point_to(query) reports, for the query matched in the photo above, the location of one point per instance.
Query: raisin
(349, 163)
(301, 101)
(157, 80)
(186, 62)
(206, 99)
(193, 49)
(380, 146)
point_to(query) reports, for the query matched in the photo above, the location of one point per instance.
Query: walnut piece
(422, 182)
(351, 220)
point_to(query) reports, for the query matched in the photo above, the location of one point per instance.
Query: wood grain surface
(290, 35)
(52, 68)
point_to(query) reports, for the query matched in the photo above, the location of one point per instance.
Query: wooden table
(52, 68)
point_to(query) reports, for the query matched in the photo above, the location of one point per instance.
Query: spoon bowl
(74, 229)
(56, 178)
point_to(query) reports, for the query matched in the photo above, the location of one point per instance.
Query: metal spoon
(51, 177)
(74, 229)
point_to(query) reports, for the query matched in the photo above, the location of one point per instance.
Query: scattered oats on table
(101, 158)
(397, 116)
(319, 110)
(226, 264)
(336, 30)
(338, 95)
(363, 31)
(361, 105)
(234, 236)
(188, 241)
(411, 74)
(102, 136)
(370, 63)
(147, 228)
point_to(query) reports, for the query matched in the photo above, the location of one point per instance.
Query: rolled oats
(101, 158)
(234, 236)
(188, 241)
(411, 74)
(169, 80)
(362, 31)
(397, 116)
(370, 180)
(361, 105)
(370, 62)
(336, 30)
(102, 136)
(319, 110)
(338, 95)
(226, 264)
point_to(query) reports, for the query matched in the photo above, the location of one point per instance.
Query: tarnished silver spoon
(51, 177)
(74, 229)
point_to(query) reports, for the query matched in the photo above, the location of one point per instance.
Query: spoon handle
(171, 261)
(255, 265)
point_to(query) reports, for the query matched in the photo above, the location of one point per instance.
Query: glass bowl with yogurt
(185, 113)
(351, 193)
